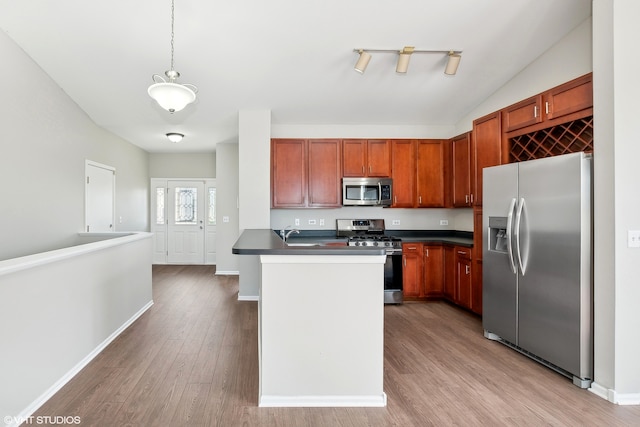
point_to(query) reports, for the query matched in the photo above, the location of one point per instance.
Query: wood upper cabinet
(403, 161)
(433, 270)
(461, 170)
(288, 173)
(432, 166)
(324, 173)
(486, 150)
(306, 173)
(412, 270)
(363, 157)
(568, 98)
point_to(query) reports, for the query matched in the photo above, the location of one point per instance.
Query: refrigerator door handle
(517, 235)
(512, 261)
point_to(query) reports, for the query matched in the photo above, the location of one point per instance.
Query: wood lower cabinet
(449, 290)
(463, 277)
(433, 270)
(362, 157)
(306, 173)
(412, 270)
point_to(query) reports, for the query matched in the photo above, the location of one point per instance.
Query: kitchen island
(320, 322)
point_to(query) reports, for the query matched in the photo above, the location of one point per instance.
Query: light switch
(633, 238)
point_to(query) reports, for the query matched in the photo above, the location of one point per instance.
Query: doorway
(99, 197)
(183, 221)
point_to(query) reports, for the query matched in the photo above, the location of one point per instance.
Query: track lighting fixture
(404, 55)
(175, 137)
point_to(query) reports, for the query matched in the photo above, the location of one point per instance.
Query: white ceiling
(293, 57)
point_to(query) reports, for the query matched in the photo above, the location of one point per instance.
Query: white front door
(186, 222)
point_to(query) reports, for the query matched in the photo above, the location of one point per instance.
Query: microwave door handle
(379, 193)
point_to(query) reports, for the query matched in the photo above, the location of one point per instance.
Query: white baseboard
(323, 401)
(613, 396)
(33, 407)
(227, 273)
(247, 297)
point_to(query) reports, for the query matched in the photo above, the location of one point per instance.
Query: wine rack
(570, 137)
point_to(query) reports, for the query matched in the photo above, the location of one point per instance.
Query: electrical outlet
(395, 222)
(321, 222)
(633, 237)
(225, 219)
(296, 221)
(444, 222)
(312, 222)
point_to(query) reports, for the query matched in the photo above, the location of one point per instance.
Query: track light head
(403, 59)
(363, 61)
(452, 63)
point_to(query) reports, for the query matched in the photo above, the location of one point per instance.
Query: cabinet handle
(471, 198)
(466, 269)
(466, 198)
(546, 108)
(395, 199)
(535, 111)
(369, 168)
(419, 200)
(362, 169)
(426, 253)
(462, 253)
(412, 248)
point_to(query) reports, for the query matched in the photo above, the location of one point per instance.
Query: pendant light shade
(169, 94)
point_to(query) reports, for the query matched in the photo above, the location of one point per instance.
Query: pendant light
(169, 94)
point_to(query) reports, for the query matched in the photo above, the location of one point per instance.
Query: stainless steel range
(371, 232)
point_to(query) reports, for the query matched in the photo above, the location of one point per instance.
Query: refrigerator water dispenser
(498, 234)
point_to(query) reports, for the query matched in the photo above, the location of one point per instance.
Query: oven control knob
(375, 243)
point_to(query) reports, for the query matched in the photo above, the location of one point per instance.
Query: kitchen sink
(303, 244)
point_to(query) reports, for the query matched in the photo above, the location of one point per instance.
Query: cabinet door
(449, 273)
(525, 113)
(461, 170)
(324, 167)
(430, 168)
(463, 277)
(403, 160)
(412, 270)
(570, 97)
(378, 158)
(354, 155)
(486, 150)
(288, 173)
(433, 270)
(476, 286)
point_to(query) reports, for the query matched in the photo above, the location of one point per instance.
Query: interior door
(99, 197)
(186, 222)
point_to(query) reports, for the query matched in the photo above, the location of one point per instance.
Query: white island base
(321, 331)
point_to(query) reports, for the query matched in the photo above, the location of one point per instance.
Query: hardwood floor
(191, 360)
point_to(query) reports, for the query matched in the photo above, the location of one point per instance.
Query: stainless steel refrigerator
(537, 261)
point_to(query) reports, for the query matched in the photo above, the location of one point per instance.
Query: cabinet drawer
(463, 252)
(408, 248)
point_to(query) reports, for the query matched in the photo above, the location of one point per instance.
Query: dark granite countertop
(325, 242)
(267, 242)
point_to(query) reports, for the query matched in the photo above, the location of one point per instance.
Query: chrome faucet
(285, 234)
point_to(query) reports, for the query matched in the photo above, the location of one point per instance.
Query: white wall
(616, 95)
(44, 143)
(227, 206)
(182, 165)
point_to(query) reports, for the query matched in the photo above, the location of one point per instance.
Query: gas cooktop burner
(367, 232)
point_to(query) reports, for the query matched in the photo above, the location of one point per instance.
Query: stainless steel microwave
(366, 191)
